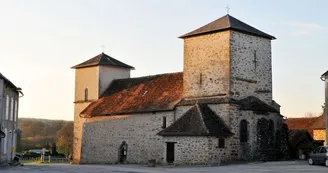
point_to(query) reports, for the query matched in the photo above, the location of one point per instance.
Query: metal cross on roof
(228, 8)
(103, 48)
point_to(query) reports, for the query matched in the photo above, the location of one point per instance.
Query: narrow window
(164, 123)
(243, 131)
(86, 94)
(7, 107)
(16, 111)
(221, 143)
(5, 142)
(12, 109)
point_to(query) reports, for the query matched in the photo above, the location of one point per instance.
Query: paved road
(269, 167)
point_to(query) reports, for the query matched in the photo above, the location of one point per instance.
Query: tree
(65, 139)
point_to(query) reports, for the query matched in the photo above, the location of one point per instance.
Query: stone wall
(196, 150)
(206, 65)
(250, 150)
(251, 71)
(78, 122)
(319, 135)
(96, 79)
(103, 136)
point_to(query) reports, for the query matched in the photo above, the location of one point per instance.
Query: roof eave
(8, 81)
(127, 112)
(225, 29)
(325, 74)
(92, 65)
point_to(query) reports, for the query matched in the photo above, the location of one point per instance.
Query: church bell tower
(227, 57)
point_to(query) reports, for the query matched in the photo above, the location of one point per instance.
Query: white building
(9, 96)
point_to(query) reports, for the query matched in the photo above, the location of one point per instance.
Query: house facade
(323, 133)
(9, 101)
(219, 109)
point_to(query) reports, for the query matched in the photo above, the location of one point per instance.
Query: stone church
(219, 109)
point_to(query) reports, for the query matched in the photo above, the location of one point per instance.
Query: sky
(40, 40)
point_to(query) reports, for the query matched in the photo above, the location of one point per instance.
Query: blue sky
(41, 40)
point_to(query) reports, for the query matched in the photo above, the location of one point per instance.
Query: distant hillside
(38, 133)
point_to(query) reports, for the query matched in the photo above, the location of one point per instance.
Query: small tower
(227, 57)
(92, 78)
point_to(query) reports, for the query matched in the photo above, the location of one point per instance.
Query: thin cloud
(304, 28)
(306, 25)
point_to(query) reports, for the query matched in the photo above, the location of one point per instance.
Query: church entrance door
(123, 152)
(170, 152)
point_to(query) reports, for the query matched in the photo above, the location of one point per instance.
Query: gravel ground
(268, 167)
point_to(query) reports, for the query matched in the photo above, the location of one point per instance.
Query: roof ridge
(102, 59)
(224, 23)
(201, 117)
(149, 76)
(228, 19)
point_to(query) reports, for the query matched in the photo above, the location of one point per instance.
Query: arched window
(86, 94)
(243, 131)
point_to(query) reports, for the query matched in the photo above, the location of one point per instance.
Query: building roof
(304, 123)
(300, 138)
(325, 74)
(227, 22)
(161, 92)
(254, 104)
(249, 103)
(8, 81)
(138, 95)
(103, 59)
(320, 123)
(200, 120)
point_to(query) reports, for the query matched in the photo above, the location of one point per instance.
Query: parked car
(319, 156)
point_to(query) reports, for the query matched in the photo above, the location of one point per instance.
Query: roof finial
(103, 48)
(228, 8)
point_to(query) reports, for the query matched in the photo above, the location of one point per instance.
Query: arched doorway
(123, 152)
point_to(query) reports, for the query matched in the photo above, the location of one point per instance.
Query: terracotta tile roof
(225, 23)
(103, 59)
(136, 95)
(200, 120)
(320, 123)
(301, 123)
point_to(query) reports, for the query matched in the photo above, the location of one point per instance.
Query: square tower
(227, 57)
(92, 78)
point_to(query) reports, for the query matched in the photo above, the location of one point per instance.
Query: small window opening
(221, 143)
(243, 131)
(164, 122)
(86, 94)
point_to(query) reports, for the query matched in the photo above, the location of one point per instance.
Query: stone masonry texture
(226, 64)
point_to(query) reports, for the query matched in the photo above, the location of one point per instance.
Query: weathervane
(228, 8)
(103, 48)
